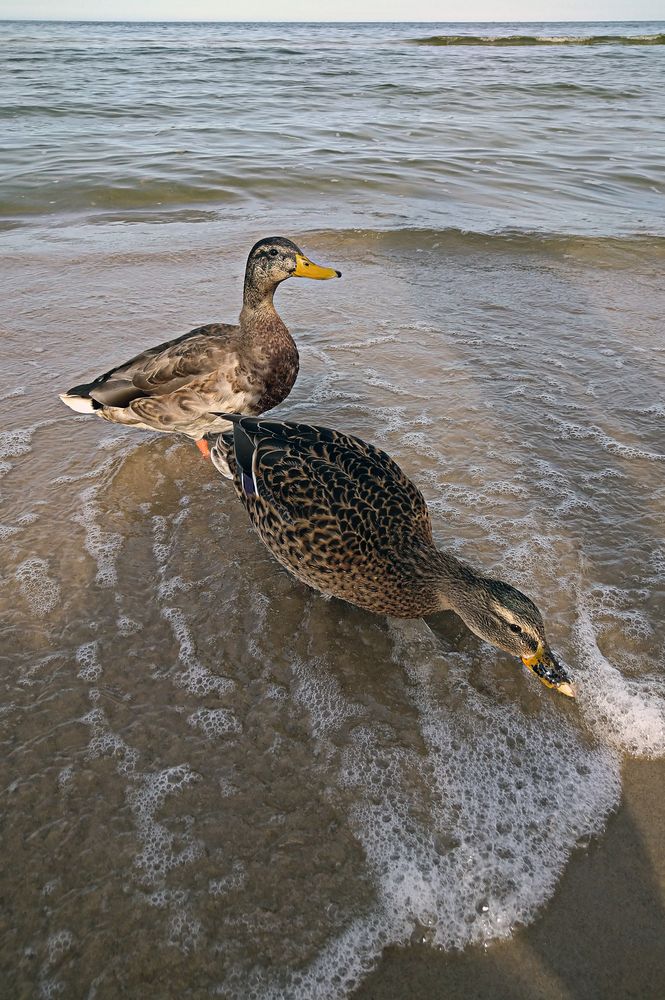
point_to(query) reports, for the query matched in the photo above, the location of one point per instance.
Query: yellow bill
(549, 672)
(306, 268)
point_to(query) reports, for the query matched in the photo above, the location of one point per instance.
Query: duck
(176, 386)
(343, 518)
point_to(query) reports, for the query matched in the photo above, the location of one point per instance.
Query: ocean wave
(511, 40)
(509, 239)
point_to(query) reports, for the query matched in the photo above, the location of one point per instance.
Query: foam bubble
(395, 418)
(161, 850)
(235, 880)
(39, 589)
(319, 692)
(19, 390)
(572, 431)
(65, 776)
(185, 930)
(464, 837)
(102, 546)
(105, 743)
(374, 379)
(58, 945)
(326, 389)
(215, 722)
(172, 585)
(196, 678)
(50, 988)
(127, 626)
(87, 658)
(627, 713)
(27, 517)
(482, 849)
(13, 444)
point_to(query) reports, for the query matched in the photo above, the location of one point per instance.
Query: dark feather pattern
(339, 513)
(343, 517)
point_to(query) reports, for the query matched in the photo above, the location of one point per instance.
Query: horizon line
(85, 20)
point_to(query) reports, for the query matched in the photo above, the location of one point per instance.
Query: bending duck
(246, 368)
(343, 518)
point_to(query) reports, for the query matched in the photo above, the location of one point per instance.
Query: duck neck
(258, 314)
(257, 291)
(451, 583)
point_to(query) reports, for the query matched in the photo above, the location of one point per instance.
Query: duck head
(274, 259)
(505, 617)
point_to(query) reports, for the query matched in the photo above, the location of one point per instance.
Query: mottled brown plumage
(341, 516)
(248, 368)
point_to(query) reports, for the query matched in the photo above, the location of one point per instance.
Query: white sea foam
(13, 444)
(569, 430)
(27, 517)
(162, 850)
(195, 678)
(50, 988)
(65, 777)
(19, 390)
(185, 930)
(103, 546)
(215, 722)
(235, 880)
(377, 381)
(326, 389)
(16, 443)
(127, 626)
(464, 841)
(394, 418)
(627, 713)
(260, 605)
(87, 658)
(105, 743)
(39, 589)
(317, 690)
(58, 945)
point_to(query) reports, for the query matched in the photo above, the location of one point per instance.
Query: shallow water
(218, 783)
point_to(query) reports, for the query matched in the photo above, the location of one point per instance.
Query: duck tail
(78, 398)
(220, 446)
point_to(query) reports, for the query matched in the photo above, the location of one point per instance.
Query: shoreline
(601, 935)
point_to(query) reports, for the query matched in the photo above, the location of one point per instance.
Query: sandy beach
(215, 782)
(600, 936)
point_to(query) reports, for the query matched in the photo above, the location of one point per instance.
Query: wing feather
(168, 367)
(326, 500)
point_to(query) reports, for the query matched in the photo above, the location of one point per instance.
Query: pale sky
(334, 10)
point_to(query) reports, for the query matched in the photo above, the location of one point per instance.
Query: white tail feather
(81, 404)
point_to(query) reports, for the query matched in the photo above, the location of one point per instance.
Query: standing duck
(343, 518)
(246, 368)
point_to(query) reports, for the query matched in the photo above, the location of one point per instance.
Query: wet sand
(216, 782)
(602, 934)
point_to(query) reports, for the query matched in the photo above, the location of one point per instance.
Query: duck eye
(273, 252)
(514, 628)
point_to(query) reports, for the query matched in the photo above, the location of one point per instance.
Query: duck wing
(325, 499)
(165, 368)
